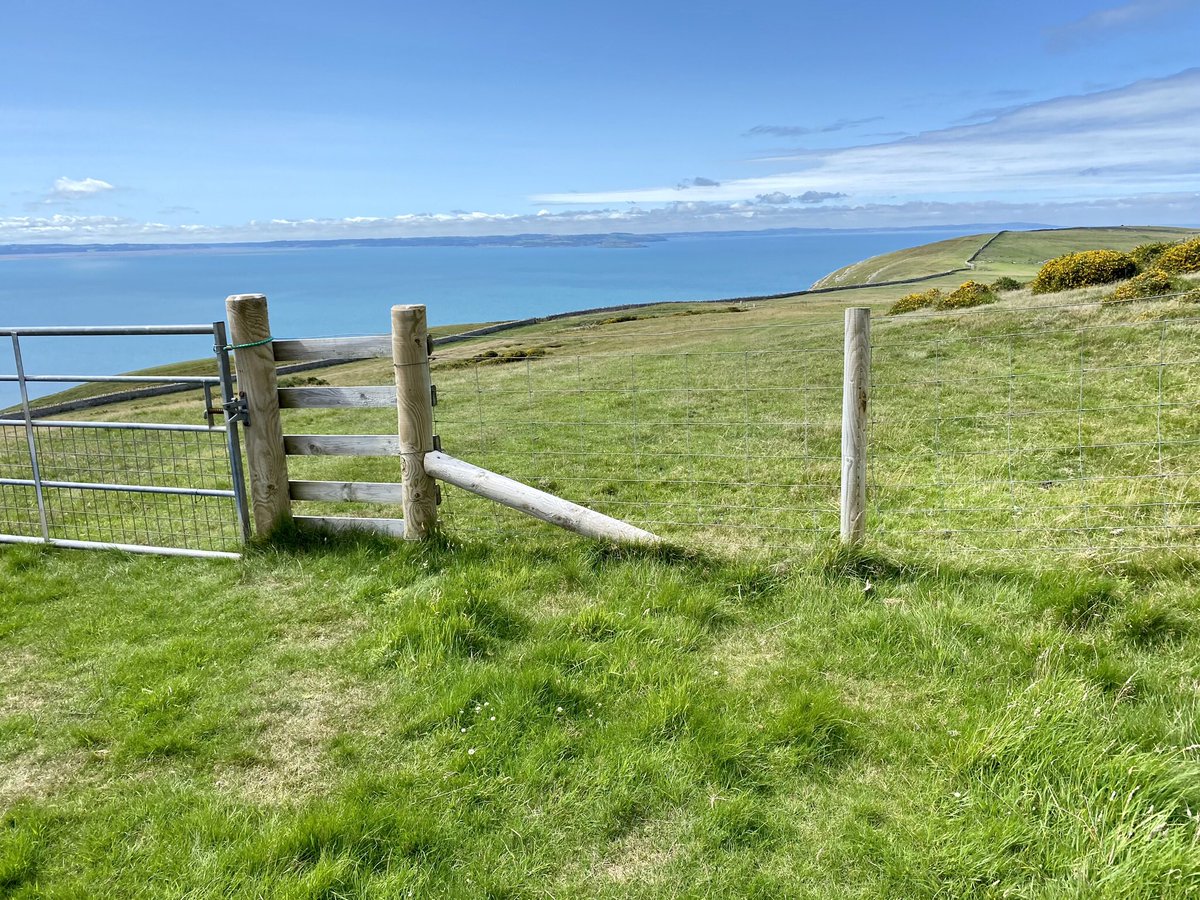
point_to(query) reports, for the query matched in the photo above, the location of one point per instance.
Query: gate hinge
(433, 395)
(437, 494)
(429, 345)
(237, 410)
(437, 442)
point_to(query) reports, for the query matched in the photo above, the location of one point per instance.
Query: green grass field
(996, 697)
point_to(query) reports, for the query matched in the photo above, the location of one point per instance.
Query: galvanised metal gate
(169, 487)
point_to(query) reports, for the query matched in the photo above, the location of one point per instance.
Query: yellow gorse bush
(1181, 257)
(1153, 283)
(969, 293)
(919, 300)
(1088, 267)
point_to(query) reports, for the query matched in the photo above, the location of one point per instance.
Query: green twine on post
(251, 344)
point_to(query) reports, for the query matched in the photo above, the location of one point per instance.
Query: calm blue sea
(348, 290)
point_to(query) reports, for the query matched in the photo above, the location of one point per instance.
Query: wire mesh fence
(1069, 429)
(164, 485)
(740, 442)
(998, 429)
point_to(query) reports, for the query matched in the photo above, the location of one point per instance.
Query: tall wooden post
(250, 330)
(414, 409)
(856, 388)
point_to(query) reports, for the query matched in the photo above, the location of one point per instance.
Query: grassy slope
(301, 723)
(914, 262)
(1012, 253)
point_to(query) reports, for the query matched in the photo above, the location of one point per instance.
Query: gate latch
(237, 410)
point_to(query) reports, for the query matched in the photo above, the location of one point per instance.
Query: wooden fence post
(414, 409)
(856, 388)
(250, 332)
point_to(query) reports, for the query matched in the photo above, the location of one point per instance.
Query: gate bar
(128, 548)
(232, 439)
(84, 330)
(33, 459)
(123, 488)
(119, 379)
(127, 426)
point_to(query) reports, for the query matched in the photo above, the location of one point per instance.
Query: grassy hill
(970, 706)
(1014, 253)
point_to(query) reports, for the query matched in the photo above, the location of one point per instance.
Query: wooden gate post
(856, 388)
(250, 332)
(414, 409)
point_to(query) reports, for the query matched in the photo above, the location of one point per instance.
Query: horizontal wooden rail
(356, 491)
(387, 527)
(341, 445)
(337, 397)
(366, 347)
(533, 502)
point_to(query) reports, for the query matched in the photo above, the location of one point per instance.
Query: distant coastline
(606, 241)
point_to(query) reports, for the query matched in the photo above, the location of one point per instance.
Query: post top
(240, 298)
(408, 307)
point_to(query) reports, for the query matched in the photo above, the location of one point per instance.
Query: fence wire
(1068, 428)
(1005, 430)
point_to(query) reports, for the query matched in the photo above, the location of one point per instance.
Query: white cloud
(73, 189)
(1136, 139)
(1161, 208)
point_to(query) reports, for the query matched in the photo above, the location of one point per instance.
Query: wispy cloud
(1112, 20)
(75, 189)
(802, 130)
(1141, 138)
(779, 198)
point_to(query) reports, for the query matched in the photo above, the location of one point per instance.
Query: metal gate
(142, 485)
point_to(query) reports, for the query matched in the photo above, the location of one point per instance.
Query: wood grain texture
(266, 461)
(388, 527)
(381, 397)
(341, 445)
(856, 390)
(414, 413)
(533, 502)
(358, 491)
(371, 346)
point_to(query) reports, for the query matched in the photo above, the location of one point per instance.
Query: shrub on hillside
(919, 300)
(1146, 255)
(967, 294)
(1083, 269)
(1006, 283)
(1153, 283)
(1181, 257)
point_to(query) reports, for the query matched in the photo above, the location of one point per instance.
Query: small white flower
(492, 719)
(559, 709)
(471, 752)
(462, 731)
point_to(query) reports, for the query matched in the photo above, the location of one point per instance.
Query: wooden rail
(533, 502)
(381, 397)
(371, 346)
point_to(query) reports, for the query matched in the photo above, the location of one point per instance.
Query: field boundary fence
(1001, 429)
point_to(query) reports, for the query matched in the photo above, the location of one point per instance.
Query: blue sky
(139, 121)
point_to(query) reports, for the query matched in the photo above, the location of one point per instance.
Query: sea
(342, 290)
